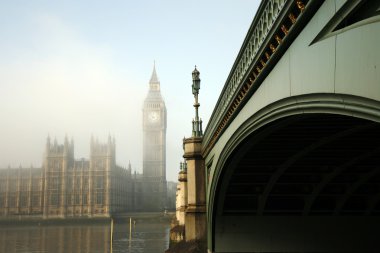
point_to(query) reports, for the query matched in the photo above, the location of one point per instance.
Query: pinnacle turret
(47, 149)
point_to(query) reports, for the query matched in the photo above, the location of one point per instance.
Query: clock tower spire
(154, 83)
(154, 147)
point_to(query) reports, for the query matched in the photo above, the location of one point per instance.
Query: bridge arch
(285, 190)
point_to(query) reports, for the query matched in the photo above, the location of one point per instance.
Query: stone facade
(65, 187)
(154, 148)
(21, 191)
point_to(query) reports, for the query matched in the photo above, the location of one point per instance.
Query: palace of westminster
(66, 187)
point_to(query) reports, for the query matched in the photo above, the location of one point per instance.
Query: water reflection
(145, 237)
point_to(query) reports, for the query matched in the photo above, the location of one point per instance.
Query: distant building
(66, 187)
(171, 197)
(154, 148)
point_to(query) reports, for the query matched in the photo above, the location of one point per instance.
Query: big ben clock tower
(154, 148)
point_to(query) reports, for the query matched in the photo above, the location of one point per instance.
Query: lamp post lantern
(197, 123)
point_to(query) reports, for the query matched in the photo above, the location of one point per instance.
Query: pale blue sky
(83, 67)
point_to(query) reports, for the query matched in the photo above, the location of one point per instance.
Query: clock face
(153, 116)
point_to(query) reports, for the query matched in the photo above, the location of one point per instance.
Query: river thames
(147, 236)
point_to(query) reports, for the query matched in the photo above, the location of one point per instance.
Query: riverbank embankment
(26, 220)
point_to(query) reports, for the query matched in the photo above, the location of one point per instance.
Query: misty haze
(189, 127)
(96, 99)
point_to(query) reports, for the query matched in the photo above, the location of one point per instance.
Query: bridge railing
(274, 27)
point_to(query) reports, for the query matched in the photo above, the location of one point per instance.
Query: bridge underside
(305, 183)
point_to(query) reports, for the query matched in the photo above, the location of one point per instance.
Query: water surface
(146, 236)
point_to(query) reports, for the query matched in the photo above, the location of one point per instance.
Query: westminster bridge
(291, 154)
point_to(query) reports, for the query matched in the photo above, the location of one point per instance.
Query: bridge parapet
(274, 27)
(269, 13)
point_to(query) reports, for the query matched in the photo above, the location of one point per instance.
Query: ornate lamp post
(197, 123)
(193, 171)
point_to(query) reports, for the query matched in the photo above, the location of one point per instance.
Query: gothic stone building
(65, 187)
(154, 148)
